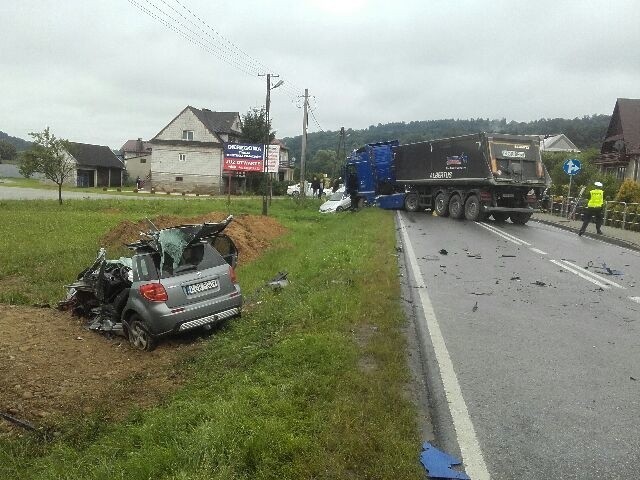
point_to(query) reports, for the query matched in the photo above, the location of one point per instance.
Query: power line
(196, 41)
(313, 115)
(233, 49)
(218, 46)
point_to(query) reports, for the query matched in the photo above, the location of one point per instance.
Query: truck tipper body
(471, 176)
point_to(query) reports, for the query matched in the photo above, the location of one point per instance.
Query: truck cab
(369, 172)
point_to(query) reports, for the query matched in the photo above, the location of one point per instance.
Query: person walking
(594, 209)
(315, 186)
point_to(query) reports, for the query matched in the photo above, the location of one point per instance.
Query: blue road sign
(572, 166)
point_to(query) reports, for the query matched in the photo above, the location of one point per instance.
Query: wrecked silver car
(177, 279)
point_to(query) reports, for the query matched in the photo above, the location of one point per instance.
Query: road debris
(438, 464)
(475, 307)
(16, 421)
(517, 279)
(507, 256)
(539, 283)
(443, 252)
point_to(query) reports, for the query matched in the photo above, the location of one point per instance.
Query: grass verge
(309, 383)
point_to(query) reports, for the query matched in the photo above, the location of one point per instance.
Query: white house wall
(138, 167)
(186, 121)
(199, 172)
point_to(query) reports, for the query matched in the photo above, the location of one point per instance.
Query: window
(182, 157)
(143, 160)
(187, 134)
(178, 179)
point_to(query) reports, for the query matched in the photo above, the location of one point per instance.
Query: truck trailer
(471, 176)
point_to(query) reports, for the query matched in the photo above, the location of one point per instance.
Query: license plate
(201, 287)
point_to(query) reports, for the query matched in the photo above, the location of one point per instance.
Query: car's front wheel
(139, 335)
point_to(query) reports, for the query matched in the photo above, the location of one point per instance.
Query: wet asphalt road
(15, 193)
(545, 353)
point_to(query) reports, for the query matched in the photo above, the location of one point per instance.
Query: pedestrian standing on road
(594, 209)
(315, 186)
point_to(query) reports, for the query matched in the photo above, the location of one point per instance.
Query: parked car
(337, 202)
(177, 279)
(294, 190)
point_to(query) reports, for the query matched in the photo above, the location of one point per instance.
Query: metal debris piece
(539, 283)
(443, 252)
(508, 256)
(16, 421)
(438, 463)
(475, 307)
(279, 281)
(515, 278)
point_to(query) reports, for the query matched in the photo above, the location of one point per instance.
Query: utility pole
(305, 120)
(337, 163)
(265, 209)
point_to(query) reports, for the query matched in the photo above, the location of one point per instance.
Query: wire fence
(621, 215)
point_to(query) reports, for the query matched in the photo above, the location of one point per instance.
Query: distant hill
(585, 132)
(19, 143)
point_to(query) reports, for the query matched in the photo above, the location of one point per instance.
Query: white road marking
(594, 275)
(500, 234)
(635, 299)
(500, 231)
(472, 457)
(589, 279)
(538, 251)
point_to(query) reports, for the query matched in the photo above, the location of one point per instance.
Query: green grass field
(309, 384)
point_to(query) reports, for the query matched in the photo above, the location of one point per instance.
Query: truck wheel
(520, 218)
(473, 209)
(500, 216)
(442, 206)
(411, 202)
(456, 209)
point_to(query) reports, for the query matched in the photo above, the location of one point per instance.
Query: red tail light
(232, 275)
(154, 292)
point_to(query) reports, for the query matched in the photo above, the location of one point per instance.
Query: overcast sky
(105, 71)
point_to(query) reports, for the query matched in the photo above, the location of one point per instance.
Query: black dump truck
(471, 176)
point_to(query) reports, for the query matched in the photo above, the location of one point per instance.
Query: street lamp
(266, 142)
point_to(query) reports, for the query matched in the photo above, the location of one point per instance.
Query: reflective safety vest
(596, 200)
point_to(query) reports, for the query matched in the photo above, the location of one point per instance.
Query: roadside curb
(612, 240)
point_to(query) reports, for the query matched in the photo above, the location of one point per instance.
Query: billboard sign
(242, 157)
(273, 158)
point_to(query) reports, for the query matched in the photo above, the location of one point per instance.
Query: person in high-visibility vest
(594, 209)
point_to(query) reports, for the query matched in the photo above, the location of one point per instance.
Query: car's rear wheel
(139, 335)
(456, 209)
(339, 208)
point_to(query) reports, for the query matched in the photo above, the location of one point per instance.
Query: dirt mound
(51, 365)
(251, 233)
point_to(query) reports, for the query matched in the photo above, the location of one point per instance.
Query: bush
(629, 192)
